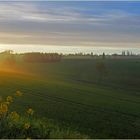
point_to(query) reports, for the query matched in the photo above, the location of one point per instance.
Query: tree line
(9, 57)
(41, 57)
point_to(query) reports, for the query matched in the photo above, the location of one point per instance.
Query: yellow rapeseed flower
(9, 99)
(7, 103)
(3, 108)
(27, 125)
(19, 93)
(30, 111)
(14, 116)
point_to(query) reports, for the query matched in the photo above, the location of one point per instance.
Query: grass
(68, 92)
(40, 129)
(26, 126)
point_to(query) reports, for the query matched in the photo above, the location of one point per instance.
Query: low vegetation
(13, 125)
(74, 98)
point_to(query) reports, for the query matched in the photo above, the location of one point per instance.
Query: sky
(70, 24)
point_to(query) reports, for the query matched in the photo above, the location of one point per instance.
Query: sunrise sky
(69, 24)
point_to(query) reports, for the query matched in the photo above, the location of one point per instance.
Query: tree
(128, 53)
(103, 56)
(101, 69)
(123, 53)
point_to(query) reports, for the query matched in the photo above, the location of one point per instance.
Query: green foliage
(68, 92)
(39, 129)
(15, 126)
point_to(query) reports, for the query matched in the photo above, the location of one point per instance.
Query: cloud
(34, 11)
(72, 23)
(45, 12)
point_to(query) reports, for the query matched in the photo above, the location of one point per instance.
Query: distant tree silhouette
(103, 56)
(41, 57)
(101, 69)
(128, 53)
(7, 52)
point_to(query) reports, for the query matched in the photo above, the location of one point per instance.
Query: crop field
(72, 92)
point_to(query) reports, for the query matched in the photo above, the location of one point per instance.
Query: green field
(69, 93)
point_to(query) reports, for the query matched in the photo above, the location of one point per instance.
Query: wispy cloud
(64, 23)
(31, 11)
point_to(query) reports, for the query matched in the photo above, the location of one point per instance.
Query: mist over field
(69, 70)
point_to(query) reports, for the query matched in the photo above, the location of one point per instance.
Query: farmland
(70, 93)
